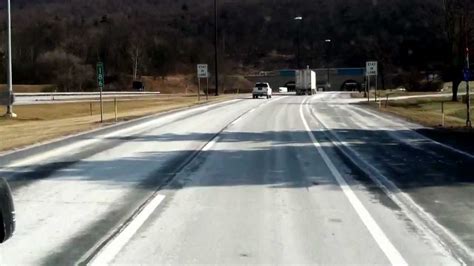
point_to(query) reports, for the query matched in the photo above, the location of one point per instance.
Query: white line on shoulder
(110, 251)
(379, 236)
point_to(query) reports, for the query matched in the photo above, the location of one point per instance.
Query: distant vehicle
(283, 89)
(291, 86)
(138, 86)
(351, 86)
(305, 82)
(262, 89)
(7, 212)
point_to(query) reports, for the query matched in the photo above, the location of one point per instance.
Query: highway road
(291, 180)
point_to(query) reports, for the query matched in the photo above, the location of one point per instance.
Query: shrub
(67, 71)
(418, 81)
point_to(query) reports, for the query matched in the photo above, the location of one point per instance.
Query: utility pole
(216, 63)
(467, 70)
(135, 68)
(298, 49)
(328, 51)
(298, 42)
(9, 113)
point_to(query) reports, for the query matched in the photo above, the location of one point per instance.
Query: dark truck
(138, 86)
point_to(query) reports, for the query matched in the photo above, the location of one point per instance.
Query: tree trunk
(456, 82)
(457, 55)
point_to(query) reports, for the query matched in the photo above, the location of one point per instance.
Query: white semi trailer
(305, 82)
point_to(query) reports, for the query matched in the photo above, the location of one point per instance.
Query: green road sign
(100, 75)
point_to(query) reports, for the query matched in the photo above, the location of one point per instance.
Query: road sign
(202, 71)
(100, 75)
(468, 74)
(371, 68)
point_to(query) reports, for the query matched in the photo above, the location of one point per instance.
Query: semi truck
(305, 82)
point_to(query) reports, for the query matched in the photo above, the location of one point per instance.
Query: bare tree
(458, 26)
(135, 53)
(68, 71)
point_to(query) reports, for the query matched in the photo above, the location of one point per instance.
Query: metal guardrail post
(442, 114)
(115, 107)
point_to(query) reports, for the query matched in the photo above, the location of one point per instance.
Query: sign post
(467, 69)
(467, 77)
(199, 89)
(368, 88)
(372, 70)
(207, 88)
(376, 86)
(100, 84)
(202, 72)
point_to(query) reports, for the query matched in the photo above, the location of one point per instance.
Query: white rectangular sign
(202, 71)
(371, 69)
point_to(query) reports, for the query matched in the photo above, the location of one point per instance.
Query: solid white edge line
(359, 121)
(421, 135)
(210, 144)
(392, 254)
(110, 251)
(413, 210)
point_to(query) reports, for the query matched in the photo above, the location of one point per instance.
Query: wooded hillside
(60, 42)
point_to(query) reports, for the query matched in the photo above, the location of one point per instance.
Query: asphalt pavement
(290, 180)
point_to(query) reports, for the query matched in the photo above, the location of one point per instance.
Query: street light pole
(9, 63)
(328, 41)
(298, 42)
(216, 63)
(298, 49)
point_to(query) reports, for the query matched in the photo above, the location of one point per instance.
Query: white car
(262, 89)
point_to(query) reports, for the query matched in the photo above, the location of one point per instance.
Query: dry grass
(171, 84)
(391, 93)
(38, 123)
(383, 93)
(427, 111)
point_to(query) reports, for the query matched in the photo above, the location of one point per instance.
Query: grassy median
(38, 123)
(382, 94)
(428, 111)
